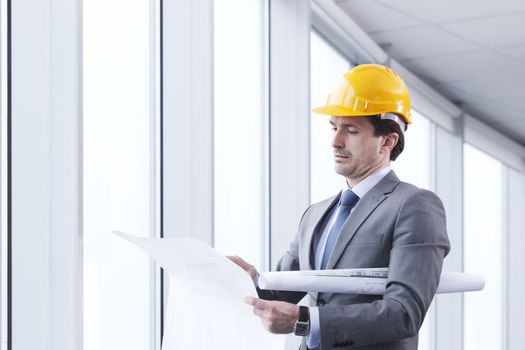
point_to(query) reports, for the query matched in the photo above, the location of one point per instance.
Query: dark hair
(383, 127)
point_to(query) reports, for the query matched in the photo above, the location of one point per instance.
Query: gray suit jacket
(395, 225)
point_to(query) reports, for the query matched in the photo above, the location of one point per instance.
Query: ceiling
(471, 51)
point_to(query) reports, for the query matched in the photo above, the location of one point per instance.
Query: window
(483, 249)
(119, 174)
(327, 67)
(239, 129)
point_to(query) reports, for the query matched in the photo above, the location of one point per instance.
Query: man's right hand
(246, 266)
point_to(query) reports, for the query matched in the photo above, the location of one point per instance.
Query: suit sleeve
(288, 262)
(419, 245)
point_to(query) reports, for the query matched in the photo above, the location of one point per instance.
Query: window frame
(44, 175)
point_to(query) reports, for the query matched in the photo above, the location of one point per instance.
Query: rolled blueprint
(358, 281)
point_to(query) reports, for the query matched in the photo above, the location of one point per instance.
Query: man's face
(356, 149)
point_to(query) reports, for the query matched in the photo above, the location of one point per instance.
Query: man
(376, 221)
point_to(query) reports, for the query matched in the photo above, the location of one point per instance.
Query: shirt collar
(365, 185)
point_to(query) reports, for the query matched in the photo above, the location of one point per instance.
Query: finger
(256, 302)
(258, 312)
(235, 259)
(239, 261)
(243, 264)
(250, 301)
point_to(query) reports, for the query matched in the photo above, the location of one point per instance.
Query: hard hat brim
(338, 111)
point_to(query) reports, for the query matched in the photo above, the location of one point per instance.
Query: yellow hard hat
(369, 89)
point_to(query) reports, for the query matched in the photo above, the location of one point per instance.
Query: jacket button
(321, 302)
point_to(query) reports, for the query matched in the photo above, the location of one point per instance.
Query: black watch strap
(302, 326)
(304, 314)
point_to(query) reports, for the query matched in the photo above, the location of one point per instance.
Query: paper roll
(344, 281)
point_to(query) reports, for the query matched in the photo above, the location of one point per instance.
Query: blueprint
(205, 304)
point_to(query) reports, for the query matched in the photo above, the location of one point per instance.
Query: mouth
(340, 156)
(339, 159)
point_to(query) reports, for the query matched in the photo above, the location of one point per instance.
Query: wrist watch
(302, 325)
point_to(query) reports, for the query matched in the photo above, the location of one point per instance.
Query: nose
(338, 140)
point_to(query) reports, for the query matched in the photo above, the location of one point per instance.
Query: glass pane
(117, 173)
(239, 129)
(327, 66)
(425, 332)
(413, 164)
(483, 249)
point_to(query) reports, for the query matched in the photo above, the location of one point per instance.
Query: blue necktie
(347, 202)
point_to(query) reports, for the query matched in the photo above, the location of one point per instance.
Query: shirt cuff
(313, 340)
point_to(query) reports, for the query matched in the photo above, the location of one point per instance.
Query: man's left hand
(277, 316)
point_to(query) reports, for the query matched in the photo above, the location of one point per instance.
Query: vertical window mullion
(45, 180)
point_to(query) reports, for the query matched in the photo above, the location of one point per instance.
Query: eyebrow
(346, 125)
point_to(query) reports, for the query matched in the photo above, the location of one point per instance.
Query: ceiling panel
(372, 16)
(491, 112)
(466, 66)
(453, 10)
(515, 52)
(517, 103)
(489, 89)
(493, 32)
(428, 40)
(457, 95)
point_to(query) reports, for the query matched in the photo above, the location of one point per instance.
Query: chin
(342, 171)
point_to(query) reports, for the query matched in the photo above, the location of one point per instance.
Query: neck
(353, 181)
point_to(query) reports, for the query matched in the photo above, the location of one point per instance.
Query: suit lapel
(321, 210)
(360, 213)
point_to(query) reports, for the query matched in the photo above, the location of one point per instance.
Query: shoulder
(420, 217)
(411, 192)
(405, 192)
(407, 199)
(417, 205)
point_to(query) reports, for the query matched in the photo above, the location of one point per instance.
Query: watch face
(301, 328)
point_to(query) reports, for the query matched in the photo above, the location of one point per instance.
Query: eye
(351, 131)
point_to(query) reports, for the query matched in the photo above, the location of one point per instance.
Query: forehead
(359, 122)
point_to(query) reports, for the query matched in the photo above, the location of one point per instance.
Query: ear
(389, 142)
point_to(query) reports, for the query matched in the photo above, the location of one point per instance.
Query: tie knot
(349, 199)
